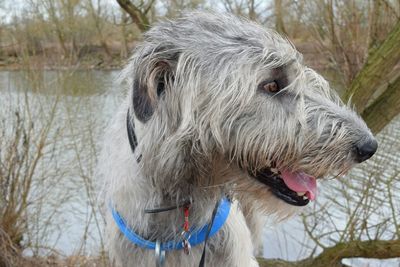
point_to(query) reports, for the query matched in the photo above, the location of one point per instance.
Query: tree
(377, 76)
(279, 24)
(253, 9)
(138, 13)
(62, 14)
(58, 26)
(96, 14)
(174, 7)
(361, 48)
(384, 108)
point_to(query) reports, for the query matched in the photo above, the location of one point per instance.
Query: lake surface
(68, 220)
(64, 211)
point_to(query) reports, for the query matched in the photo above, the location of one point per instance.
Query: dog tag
(186, 246)
(160, 255)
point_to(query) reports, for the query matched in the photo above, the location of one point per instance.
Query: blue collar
(196, 236)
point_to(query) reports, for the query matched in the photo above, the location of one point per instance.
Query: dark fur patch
(280, 77)
(142, 105)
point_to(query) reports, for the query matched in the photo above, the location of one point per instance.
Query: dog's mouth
(295, 188)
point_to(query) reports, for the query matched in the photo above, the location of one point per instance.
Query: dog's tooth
(301, 193)
(305, 197)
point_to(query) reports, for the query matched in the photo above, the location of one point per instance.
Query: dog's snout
(365, 149)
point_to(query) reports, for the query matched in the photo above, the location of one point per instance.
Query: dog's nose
(365, 149)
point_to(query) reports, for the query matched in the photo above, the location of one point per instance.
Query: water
(61, 214)
(67, 218)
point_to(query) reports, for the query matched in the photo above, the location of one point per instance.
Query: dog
(223, 125)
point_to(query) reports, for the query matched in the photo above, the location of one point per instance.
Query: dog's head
(211, 87)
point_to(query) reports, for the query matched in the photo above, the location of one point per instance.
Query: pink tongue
(300, 182)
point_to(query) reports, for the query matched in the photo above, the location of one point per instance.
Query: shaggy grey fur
(204, 124)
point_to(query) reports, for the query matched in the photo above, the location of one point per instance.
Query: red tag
(186, 223)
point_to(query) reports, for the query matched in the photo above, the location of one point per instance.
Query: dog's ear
(149, 86)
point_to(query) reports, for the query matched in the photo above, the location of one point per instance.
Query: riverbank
(97, 62)
(94, 57)
(51, 57)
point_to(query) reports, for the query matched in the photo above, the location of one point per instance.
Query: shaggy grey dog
(219, 106)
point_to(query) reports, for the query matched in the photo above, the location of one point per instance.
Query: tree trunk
(384, 108)
(374, 24)
(373, 74)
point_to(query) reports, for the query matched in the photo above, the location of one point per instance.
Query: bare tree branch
(373, 249)
(138, 16)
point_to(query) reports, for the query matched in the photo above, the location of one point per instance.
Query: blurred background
(59, 60)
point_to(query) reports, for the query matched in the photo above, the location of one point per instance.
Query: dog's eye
(271, 87)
